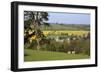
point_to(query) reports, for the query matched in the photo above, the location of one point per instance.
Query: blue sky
(69, 18)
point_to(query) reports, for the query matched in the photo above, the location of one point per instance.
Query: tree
(33, 20)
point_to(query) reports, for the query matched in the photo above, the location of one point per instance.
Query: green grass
(34, 55)
(66, 27)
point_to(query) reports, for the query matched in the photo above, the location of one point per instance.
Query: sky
(69, 18)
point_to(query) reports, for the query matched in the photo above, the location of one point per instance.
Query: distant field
(59, 29)
(60, 32)
(66, 27)
(34, 55)
(69, 32)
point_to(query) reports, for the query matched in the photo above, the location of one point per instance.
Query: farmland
(60, 32)
(58, 43)
(56, 36)
(72, 27)
(62, 29)
(63, 32)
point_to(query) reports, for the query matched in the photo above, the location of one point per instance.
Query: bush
(86, 47)
(79, 46)
(31, 45)
(83, 46)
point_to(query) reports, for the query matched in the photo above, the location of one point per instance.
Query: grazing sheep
(73, 52)
(69, 52)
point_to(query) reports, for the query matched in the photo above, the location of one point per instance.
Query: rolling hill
(66, 27)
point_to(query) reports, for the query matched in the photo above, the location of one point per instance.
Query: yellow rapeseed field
(78, 33)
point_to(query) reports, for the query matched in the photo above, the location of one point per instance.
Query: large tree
(32, 22)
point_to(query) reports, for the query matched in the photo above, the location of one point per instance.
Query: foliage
(80, 46)
(32, 22)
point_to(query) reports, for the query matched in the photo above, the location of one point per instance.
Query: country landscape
(47, 39)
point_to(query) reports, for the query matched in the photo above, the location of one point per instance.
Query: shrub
(31, 45)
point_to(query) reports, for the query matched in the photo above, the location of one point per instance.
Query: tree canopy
(32, 22)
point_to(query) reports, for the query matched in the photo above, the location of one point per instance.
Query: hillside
(66, 27)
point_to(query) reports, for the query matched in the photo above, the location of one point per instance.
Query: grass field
(34, 55)
(66, 27)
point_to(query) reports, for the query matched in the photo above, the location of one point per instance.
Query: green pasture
(35, 55)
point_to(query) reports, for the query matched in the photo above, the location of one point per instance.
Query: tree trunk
(37, 38)
(36, 23)
(38, 44)
(36, 29)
